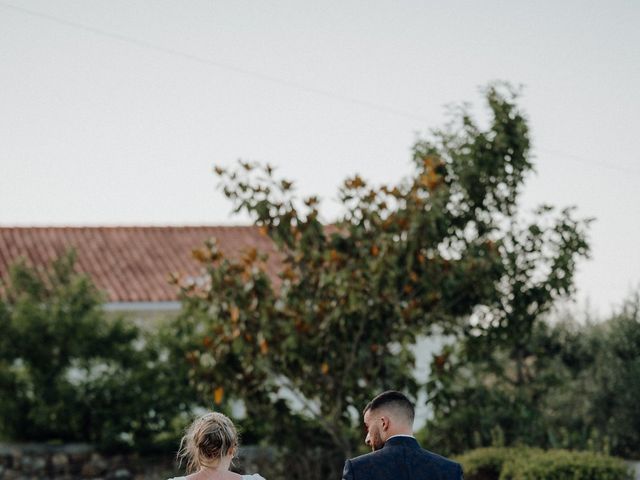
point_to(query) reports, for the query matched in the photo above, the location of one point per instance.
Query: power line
(217, 64)
(579, 159)
(277, 80)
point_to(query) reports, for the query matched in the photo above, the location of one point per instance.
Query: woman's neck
(219, 468)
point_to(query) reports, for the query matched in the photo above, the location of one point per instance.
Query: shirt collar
(402, 440)
(400, 435)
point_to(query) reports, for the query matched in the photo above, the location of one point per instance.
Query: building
(131, 265)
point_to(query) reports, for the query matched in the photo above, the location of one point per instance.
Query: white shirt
(399, 435)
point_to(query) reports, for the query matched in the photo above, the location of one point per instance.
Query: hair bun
(207, 440)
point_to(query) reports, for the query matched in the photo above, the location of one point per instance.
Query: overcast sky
(114, 112)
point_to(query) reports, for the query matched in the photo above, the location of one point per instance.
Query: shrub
(536, 464)
(565, 464)
(487, 463)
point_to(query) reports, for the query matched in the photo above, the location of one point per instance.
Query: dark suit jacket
(401, 458)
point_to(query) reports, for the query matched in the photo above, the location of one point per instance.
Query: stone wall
(33, 461)
(635, 467)
(78, 461)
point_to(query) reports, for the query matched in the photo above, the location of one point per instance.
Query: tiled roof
(130, 264)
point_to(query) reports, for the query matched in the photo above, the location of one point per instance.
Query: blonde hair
(207, 440)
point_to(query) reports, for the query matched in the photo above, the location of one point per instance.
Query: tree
(580, 391)
(615, 371)
(350, 297)
(595, 407)
(68, 373)
(506, 363)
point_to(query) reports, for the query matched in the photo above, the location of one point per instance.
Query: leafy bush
(535, 464)
(68, 373)
(487, 463)
(563, 464)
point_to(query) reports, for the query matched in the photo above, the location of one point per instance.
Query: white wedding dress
(253, 476)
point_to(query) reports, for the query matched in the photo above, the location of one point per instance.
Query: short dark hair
(394, 399)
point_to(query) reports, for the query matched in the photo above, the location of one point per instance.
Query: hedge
(535, 464)
(487, 463)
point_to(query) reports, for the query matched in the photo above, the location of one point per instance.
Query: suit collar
(402, 441)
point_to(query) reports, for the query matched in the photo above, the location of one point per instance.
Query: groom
(388, 419)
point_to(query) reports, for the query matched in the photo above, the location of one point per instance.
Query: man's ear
(385, 423)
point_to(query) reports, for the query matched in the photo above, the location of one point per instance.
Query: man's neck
(401, 433)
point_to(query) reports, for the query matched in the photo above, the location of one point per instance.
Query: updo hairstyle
(207, 440)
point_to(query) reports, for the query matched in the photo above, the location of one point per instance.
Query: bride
(208, 446)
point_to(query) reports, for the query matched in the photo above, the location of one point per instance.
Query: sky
(114, 112)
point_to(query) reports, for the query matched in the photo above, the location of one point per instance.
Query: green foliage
(562, 464)
(479, 402)
(488, 463)
(69, 374)
(494, 379)
(351, 297)
(616, 370)
(536, 464)
(596, 407)
(581, 390)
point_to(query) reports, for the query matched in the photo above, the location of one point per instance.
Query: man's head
(390, 413)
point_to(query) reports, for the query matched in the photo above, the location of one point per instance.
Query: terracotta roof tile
(130, 264)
